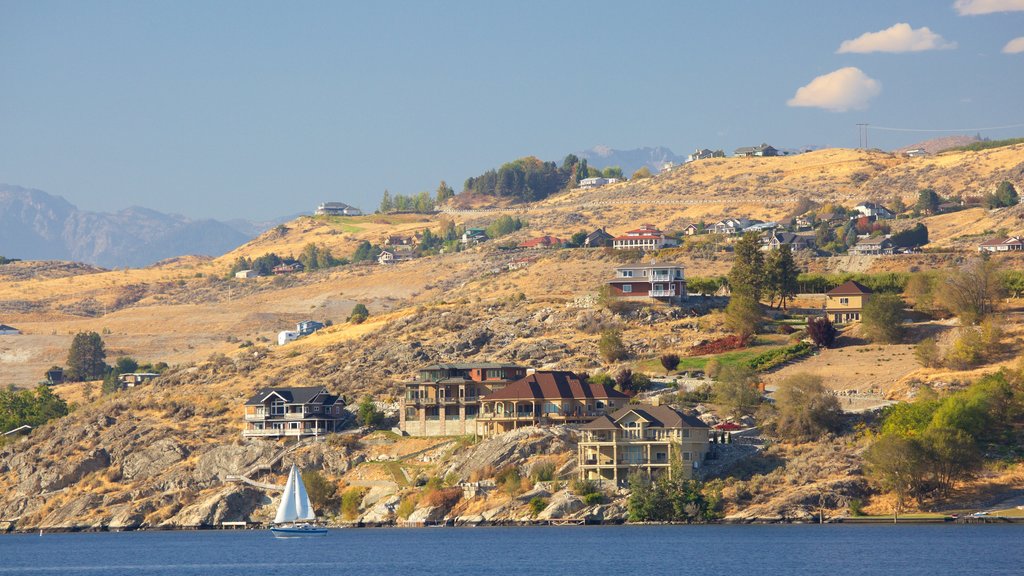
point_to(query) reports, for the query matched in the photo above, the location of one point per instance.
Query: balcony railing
(662, 293)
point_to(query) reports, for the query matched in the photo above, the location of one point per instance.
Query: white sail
(303, 507)
(286, 511)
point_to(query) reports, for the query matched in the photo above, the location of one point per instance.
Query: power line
(873, 127)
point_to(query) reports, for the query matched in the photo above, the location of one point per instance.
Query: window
(277, 408)
(686, 456)
(627, 273)
(686, 433)
(627, 288)
(844, 300)
(410, 414)
(551, 408)
(471, 412)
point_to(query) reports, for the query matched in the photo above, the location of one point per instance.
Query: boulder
(426, 516)
(230, 504)
(562, 505)
(153, 460)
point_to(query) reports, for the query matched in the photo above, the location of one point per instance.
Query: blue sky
(259, 109)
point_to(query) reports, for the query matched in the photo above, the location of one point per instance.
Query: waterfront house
(444, 399)
(845, 302)
(641, 438)
(337, 209)
(284, 412)
(646, 237)
(1011, 244)
(545, 398)
(662, 282)
(599, 238)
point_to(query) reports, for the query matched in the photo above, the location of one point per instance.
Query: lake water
(778, 550)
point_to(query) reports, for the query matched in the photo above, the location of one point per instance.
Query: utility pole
(863, 133)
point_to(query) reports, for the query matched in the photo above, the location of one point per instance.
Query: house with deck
(1011, 244)
(444, 399)
(700, 154)
(731, 226)
(293, 412)
(872, 210)
(642, 438)
(656, 281)
(758, 151)
(546, 398)
(391, 256)
(873, 246)
(337, 209)
(845, 302)
(646, 237)
(133, 379)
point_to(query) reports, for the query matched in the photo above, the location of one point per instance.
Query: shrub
(883, 318)
(441, 497)
(805, 409)
(359, 314)
(821, 332)
(669, 362)
(611, 347)
(537, 505)
(778, 356)
(407, 506)
(350, 500)
(927, 353)
(543, 471)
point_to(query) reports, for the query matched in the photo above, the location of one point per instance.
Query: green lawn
(731, 358)
(343, 223)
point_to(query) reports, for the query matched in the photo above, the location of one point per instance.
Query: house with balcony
(731, 226)
(444, 399)
(646, 237)
(873, 246)
(337, 209)
(546, 398)
(657, 281)
(292, 412)
(845, 302)
(642, 438)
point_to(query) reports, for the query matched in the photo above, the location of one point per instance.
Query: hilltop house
(282, 412)
(649, 281)
(762, 150)
(731, 226)
(796, 242)
(337, 209)
(288, 268)
(544, 398)
(598, 238)
(693, 230)
(541, 243)
(646, 237)
(641, 437)
(1011, 244)
(133, 379)
(845, 302)
(700, 154)
(597, 182)
(6, 330)
(873, 211)
(307, 327)
(873, 246)
(444, 399)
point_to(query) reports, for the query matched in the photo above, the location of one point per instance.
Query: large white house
(337, 209)
(646, 237)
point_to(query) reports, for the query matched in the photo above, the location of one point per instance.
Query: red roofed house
(653, 281)
(641, 437)
(646, 237)
(547, 397)
(1011, 244)
(845, 302)
(542, 242)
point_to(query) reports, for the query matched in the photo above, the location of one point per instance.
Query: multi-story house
(845, 302)
(731, 226)
(663, 282)
(644, 438)
(281, 412)
(545, 398)
(444, 399)
(337, 209)
(646, 237)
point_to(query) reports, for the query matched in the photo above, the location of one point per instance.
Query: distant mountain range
(630, 160)
(35, 225)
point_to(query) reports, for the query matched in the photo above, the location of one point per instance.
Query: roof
(879, 240)
(6, 327)
(849, 288)
(553, 384)
(294, 395)
(541, 241)
(599, 233)
(470, 366)
(656, 416)
(644, 237)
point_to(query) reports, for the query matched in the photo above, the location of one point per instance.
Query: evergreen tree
(747, 274)
(386, 204)
(86, 358)
(928, 201)
(781, 274)
(444, 192)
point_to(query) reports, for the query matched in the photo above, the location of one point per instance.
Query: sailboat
(295, 514)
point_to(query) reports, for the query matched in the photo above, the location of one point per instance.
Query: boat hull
(297, 531)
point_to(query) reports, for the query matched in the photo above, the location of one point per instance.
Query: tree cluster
(911, 237)
(1005, 195)
(31, 407)
(420, 203)
(971, 292)
(86, 358)
(670, 498)
(804, 409)
(882, 318)
(528, 179)
(503, 225)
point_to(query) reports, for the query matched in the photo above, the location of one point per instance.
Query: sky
(252, 109)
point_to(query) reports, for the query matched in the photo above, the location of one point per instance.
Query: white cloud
(839, 91)
(978, 7)
(1015, 46)
(897, 38)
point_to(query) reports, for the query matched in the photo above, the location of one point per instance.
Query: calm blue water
(652, 550)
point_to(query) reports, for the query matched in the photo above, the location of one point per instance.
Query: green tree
(444, 192)
(882, 318)
(669, 362)
(927, 353)
(126, 365)
(928, 201)
(747, 273)
(86, 358)
(612, 172)
(642, 173)
(821, 331)
(736, 390)
(578, 239)
(780, 278)
(1007, 194)
(31, 407)
(951, 455)
(386, 203)
(611, 347)
(369, 416)
(322, 492)
(365, 252)
(973, 291)
(743, 315)
(805, 409)
(359, 314)
(895, 464)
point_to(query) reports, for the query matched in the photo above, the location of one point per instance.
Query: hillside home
(288, 268)
(872, 210)
(873, 246)
(662, 282)
(762, 150)
(55, 375)
(473, 236)
(134, 379)
(599, 238)
(597, 182)
(646, 237)
(388, 257)
(307, 327)
(300, 412)
(796, 242)
(641, 438)
(286, 336)
(845, 302)
(519, 263)
(395, 241)
(546, 398)
(760, 227)
(6, 330)
(246, 274)
(693, 230)
(700, 154)
(444, 399)
(1011, 244)
(541, 243)
(730, 226)
(916, 153)
(337, 209)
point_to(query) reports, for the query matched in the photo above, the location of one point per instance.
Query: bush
(543, 471)
(927, 353)
(369, 416)
(537, 505)
(581, 487)
(406, 507)
(822, 332)
(359, 314)
(350, 500)
(778, 356)
(669, 362)
(804, 408)
(441, 497)
(882, 318)
(611, 347)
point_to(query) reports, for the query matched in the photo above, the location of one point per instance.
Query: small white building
(287, 336)
(597, 182)
(246, 274)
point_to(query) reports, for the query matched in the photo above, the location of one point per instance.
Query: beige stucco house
(845, 302)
